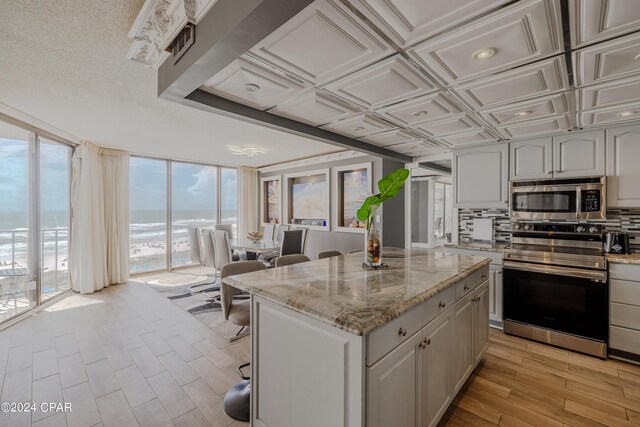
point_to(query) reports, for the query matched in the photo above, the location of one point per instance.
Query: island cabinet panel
(463, 333)
(393, 387)
(480, 322)
(624, 311)
(434, 366)
(322, 359)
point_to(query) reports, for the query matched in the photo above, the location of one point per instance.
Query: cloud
(205, 179)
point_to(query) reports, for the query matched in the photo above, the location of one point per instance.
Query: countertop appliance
(616, 243)
(559, 199)
(556, 286)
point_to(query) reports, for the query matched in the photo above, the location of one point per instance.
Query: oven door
(567, 300)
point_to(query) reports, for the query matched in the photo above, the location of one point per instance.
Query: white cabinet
(531, 159)
(481, 177)
(566, 156)
(495, 294)
(579, 154)
(623, 173)
(434, 367)
(393, 387)
(624, 311)
(414, 384)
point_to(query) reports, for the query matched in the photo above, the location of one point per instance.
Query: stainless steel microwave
(559, 199)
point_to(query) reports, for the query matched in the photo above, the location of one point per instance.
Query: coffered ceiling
(420, 77)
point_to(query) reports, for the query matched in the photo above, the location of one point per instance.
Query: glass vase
(373, 246)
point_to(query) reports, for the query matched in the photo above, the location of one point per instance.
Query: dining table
(254, 248)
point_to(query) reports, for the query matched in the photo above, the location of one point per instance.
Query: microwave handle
(579, 202)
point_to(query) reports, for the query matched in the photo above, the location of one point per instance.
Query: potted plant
(388, 187)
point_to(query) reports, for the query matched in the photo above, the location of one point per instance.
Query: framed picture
(306, 199)
(271, 200)
(352, 184)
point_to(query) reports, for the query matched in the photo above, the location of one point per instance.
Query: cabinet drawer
(387, 337)
(625, 292)
(624, 271)
(469, 283)
(626, 316)
(624, 339)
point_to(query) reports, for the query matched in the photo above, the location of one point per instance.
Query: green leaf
(391, 184)
(389, 187)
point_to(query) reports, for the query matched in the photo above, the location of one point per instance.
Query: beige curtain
(247, 200)
(100, 218)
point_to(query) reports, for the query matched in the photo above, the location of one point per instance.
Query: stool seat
(237, 401)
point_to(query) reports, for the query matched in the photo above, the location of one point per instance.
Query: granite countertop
(478, 246)
(338, 291)
(624, 259)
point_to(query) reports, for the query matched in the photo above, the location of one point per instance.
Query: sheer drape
(100, 218)
(247, 200)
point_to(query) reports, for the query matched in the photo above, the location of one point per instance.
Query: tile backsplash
(627, 220)
(501, 223)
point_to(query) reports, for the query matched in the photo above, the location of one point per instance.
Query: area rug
(197, 294)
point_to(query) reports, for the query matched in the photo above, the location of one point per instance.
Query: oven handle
(598, 276)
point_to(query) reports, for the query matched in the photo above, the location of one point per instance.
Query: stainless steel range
(556, 286)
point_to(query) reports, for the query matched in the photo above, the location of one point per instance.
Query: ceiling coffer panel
(475, 137)
(609, 60)
(322, 43)
(525, 111)
(390, 81)
(251, 84)
(461, 123)
(359, 126)
(541, 78)
(423, 109)
(417, 148)
(608, 94)
(407, 22)
(314, 108)
(618, 114)
(392, 137)
(534, 128)
(521, 33)
(593, 21)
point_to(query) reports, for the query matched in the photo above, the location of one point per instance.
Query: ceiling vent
(183, 41)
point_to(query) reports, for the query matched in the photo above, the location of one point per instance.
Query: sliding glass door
(34, 219)
(55, 175)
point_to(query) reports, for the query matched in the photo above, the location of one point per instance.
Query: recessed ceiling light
(484, 53)
(247, 150)
(522, 113)
(626, 114)
(251, 87)
(420, 113)
(358, 129)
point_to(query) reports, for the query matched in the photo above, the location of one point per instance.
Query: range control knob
(593, 229)
(518, 226)
(580, 229)
(527, 227)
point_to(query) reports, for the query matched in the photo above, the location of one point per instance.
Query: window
(34, 219)
(193, 191)
(148, 214)
(442, 208)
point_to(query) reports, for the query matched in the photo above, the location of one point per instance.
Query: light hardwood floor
(523, 383)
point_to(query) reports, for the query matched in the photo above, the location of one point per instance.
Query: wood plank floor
(523, 383)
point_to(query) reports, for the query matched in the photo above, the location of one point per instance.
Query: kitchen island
(334, 344)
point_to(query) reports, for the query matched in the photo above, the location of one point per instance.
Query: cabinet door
(480, 320)
(481, 177)
(623, 173)
(495, 294)
(392, 387)
(579, 154)
(434, 361)
(463, 357)
(530, 159)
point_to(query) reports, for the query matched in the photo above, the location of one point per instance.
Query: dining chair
(221, 249)
(277, 236)
(237, 401)
(206, 241)
(283, 261)
(328, 254)
(229, 229)
(280, 229)
(268, 231)
(194, 245)
(292, 244)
